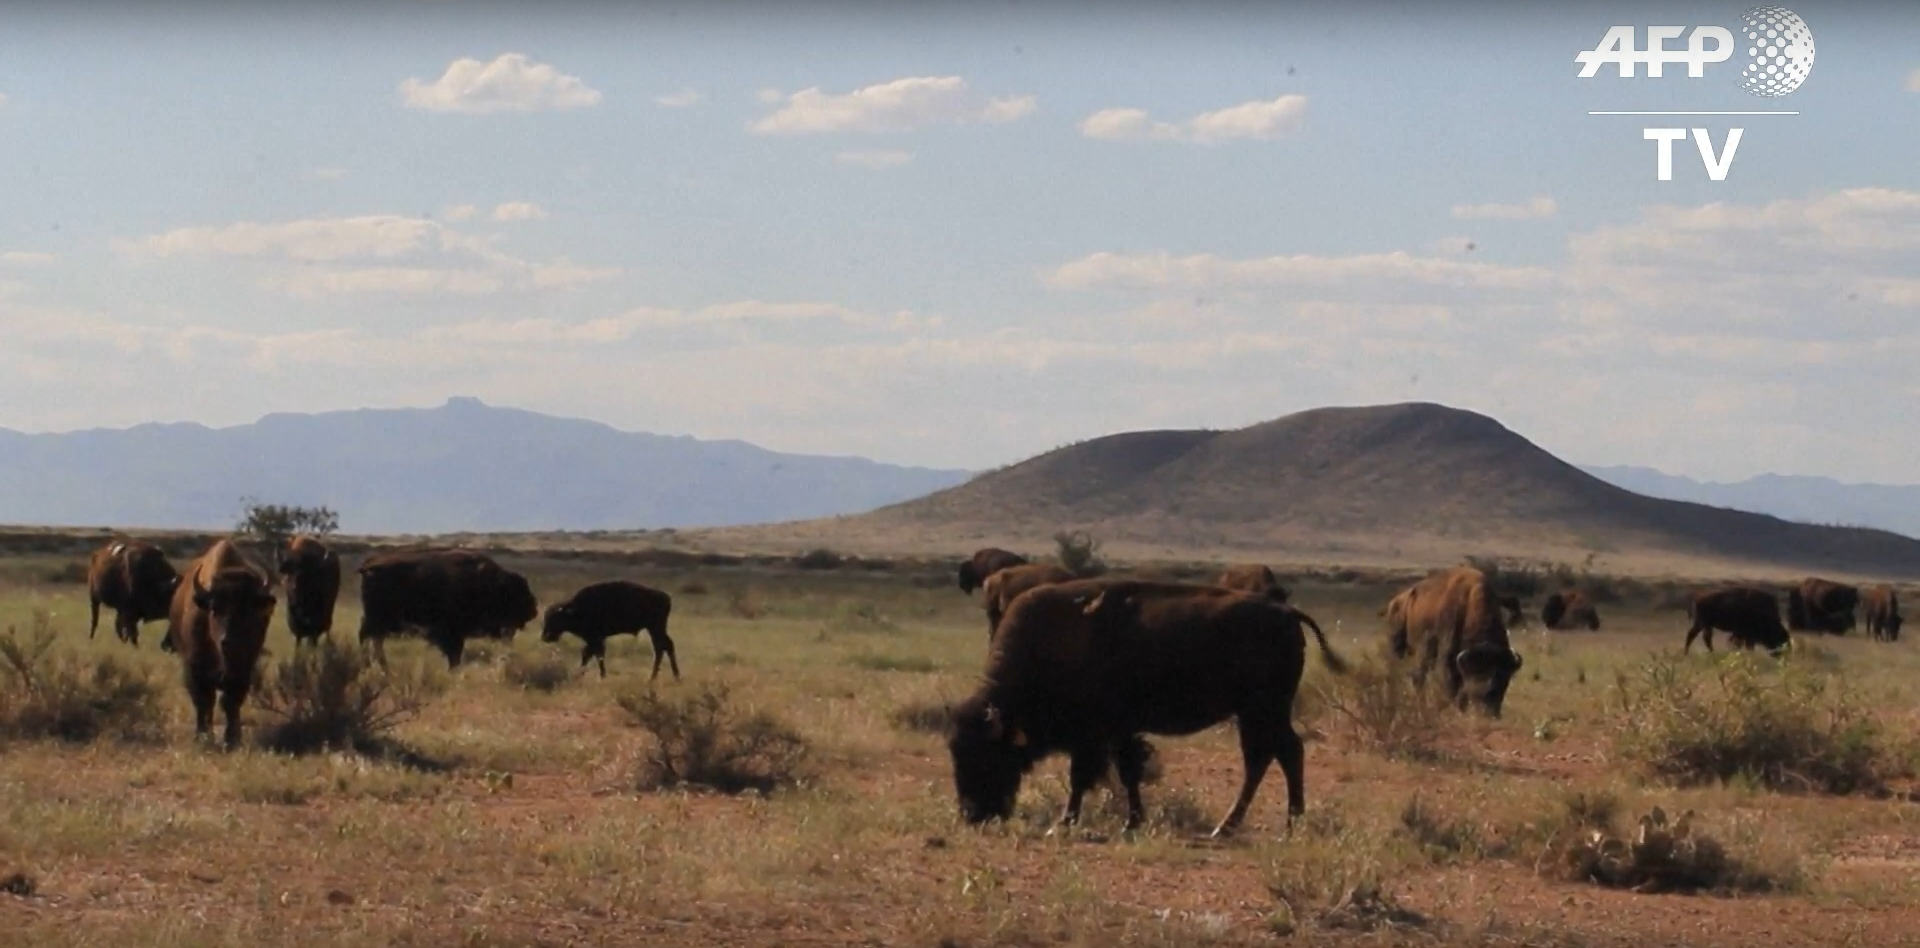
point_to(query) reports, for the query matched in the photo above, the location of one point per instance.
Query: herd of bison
(1079, 666)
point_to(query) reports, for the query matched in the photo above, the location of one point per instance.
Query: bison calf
(616, 607)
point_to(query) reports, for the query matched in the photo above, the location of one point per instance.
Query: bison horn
(1093, 606)
(995, 726)
(1458, 658)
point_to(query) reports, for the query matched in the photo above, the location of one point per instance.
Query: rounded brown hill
(1367, 477)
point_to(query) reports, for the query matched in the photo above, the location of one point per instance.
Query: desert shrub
(703, 739)
(1079, 553)
(334, 697)
(1377, 705)
(1335, 876)
(543, 671)
(55, 694)
(1783, 725)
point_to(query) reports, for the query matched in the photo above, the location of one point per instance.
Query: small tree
(274, 524)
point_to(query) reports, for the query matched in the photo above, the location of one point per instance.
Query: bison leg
(1699, 628)
(93, 624)
(1259, 744)
(231, 698)
(127, 628)
(662, 642)
(1131, 765)
(1087, 766)
(202, 695)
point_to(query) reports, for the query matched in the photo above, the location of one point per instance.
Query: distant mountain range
(464, 466)
(1791, 497)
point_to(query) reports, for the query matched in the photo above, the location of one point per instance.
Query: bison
(135, 580)
(1819, 605)
(312, 573)
(1000, 589)
(1749, 616)
(1087, 666)
(615, 607)
(452, 594)
(1883, 613)
(1569, 610)
(1253, 578)
(1455, 620)
(984, 563)
(218, 624)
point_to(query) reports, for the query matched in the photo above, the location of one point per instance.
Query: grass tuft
(334, 697)
(702, 739)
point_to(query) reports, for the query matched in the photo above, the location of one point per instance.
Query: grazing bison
(218, 624)
(1749, 616)
(1883, 613)
(616, 607)
(1454, 620)
(312, 572)
(451, 594)
(984, 563)
(1569, 610)
(1254, 578)
(1819, 605)
(134, 579)
(1000, 589)
(1085, 667)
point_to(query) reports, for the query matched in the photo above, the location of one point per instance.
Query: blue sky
(959, 236)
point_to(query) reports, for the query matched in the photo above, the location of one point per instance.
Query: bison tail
(1328, 656)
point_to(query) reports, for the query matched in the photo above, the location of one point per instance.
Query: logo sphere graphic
(1779, 50)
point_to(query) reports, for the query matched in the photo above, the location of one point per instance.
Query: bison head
(969, 578)
(517, 603)
(236, 595)
(1485, 673)
(557, 623)
(990, 757)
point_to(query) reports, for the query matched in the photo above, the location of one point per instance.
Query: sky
(960, 235)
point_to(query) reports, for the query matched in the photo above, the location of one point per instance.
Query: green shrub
(1784, 725)
(702, 739)
(54, 694)
(334, 697)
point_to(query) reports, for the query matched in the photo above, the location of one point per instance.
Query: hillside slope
(464, 466)
(1412, 480)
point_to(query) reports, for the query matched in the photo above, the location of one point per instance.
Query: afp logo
(1778, 46)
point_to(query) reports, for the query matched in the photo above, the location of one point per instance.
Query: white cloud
(327, 174)
(889, 106)
(459, 212)
(375, 254)
(874, 159)
(510, 83)
(1913, 83)
(680, 99)
(1537, 207)
(519, 211)
(3, 100)
(1257, 120)
(1204, 271)
(377, 235)
(23, 258)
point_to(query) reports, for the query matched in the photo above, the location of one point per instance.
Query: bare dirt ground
(531, 828)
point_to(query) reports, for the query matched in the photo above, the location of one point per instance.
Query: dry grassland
(523, 805)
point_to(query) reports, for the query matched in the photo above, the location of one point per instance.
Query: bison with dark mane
(984, 563)
(1455, 622)
(451, 594)
(1086, 667)
(1254, 578)
(615, 607)
(312, 574)
(1570, 610)
(1004, 586)
(218, 624)
(134, 579)
(1749, 616)
(1821, 605)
